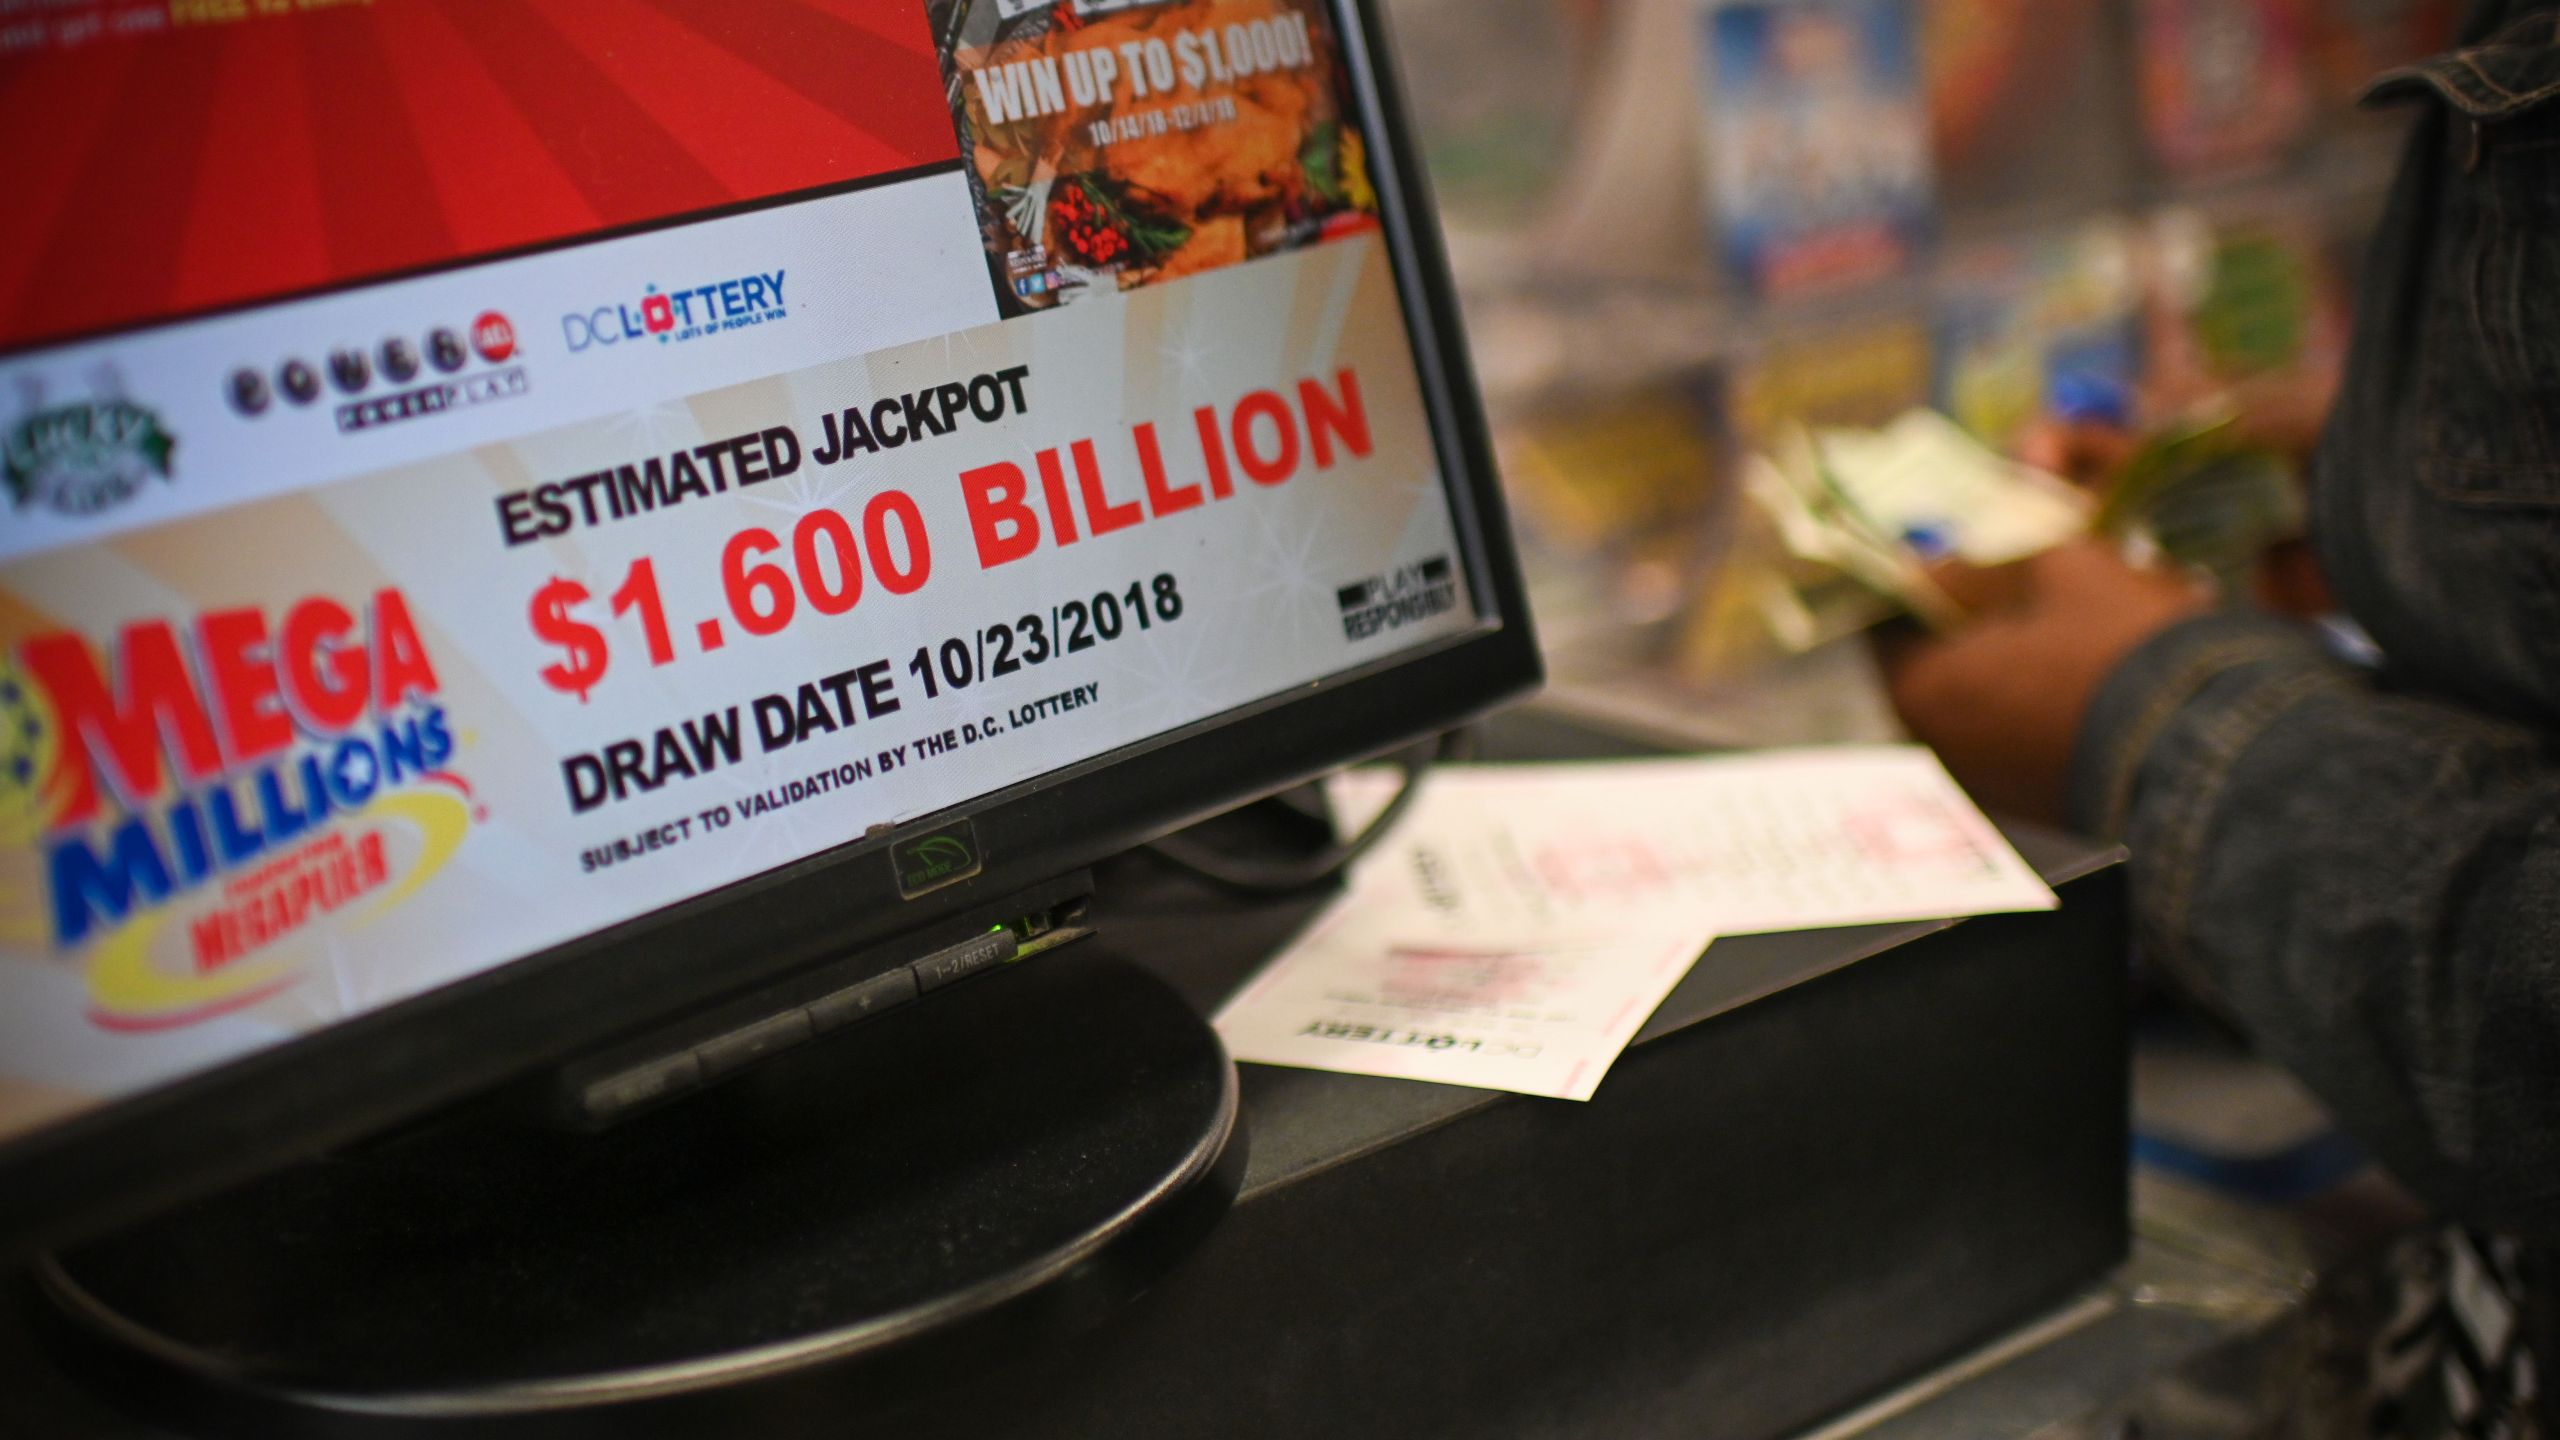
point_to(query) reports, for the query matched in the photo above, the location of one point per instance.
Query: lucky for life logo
(86, 457)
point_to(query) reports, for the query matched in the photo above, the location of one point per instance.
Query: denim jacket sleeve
(2369, 882)
(2366, 875)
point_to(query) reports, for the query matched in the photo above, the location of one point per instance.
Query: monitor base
(847, 1226)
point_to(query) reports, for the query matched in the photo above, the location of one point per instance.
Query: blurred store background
(1768, 299)
(1775, 302)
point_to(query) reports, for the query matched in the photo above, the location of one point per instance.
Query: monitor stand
(841, 1227)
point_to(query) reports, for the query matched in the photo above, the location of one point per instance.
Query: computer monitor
(527, 522)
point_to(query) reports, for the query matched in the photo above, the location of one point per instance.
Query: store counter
(1831, 1161)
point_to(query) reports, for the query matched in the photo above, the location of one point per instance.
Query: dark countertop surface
(1205, 944)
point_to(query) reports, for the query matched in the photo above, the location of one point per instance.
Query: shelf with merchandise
(2069, 253)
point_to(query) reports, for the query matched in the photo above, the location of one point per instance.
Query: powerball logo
(202, 796)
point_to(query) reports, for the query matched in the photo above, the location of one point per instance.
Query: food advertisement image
(1118, 143)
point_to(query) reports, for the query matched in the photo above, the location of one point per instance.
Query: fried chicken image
(1243, 153)
(1217, 241)
(1241, 164)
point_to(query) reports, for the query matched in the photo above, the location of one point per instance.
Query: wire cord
(1257, 875)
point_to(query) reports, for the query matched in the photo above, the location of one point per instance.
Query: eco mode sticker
(929, 862)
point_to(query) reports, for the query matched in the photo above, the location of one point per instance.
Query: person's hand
(2001, 700)
(2088, 453)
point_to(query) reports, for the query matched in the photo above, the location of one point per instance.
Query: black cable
(1251, 875)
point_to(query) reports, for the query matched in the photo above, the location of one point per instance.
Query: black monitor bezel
(119, 1162)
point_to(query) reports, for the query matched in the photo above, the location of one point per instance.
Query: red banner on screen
(183, 155)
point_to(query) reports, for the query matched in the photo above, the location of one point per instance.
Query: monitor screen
(479, 476)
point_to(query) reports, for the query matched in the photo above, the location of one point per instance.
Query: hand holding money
(2001, 698)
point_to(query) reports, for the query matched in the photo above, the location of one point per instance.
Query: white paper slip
(1365, 993)
(1736, 844)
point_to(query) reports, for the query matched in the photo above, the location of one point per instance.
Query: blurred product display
(1715, 253)
(1815, 141)
(1775, 304)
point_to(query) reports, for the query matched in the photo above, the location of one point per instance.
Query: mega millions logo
(212, 801)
